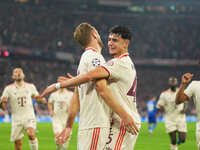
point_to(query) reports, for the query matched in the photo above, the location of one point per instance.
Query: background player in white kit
(175, 119)
(192, 91)
(58, 104)
(20, 94)
(121, 76)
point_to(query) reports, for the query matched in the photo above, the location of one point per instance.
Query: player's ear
(126, 43)
(93, 34)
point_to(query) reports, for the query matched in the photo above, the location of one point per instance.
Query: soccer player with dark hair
(175, 118)
(20, 94)
(191, 92)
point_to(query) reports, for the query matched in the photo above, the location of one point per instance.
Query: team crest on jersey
(110, 63)
(96, 62)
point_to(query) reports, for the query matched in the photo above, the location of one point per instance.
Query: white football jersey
(93, 111)
(123, 83)
(20, 99)
(167, 100)
(60, 101)
(193, 91)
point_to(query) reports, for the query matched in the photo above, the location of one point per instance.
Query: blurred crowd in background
(45, 28)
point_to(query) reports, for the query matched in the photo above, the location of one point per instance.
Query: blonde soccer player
(58, 105)
(19, 94)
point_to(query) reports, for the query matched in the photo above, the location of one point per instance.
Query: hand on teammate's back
(63, 136)
(63, 78)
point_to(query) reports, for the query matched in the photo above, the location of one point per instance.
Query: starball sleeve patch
(96, 62)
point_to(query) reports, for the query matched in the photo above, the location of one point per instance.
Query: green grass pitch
(158, 141)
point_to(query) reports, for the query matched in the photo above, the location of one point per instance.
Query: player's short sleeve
(114, 68)
(34, 90)
(93, 60)
(161, 101)
(51, 98)
(189, 91)
(5, 92)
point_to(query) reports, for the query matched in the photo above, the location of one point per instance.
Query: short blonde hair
(82, 34)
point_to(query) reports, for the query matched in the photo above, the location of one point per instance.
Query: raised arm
(181, 96)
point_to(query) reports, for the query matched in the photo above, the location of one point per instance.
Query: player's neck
(61, 90)
(117, 55)
(19, 83)
(173, 89)
(95, 46)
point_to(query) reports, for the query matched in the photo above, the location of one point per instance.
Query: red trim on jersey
(166, 90)
(27, 83)
(106, 70)
(91, 48)
(123, 55)
(95, 139)
(12, 84)
(120, 138)
(186, 96)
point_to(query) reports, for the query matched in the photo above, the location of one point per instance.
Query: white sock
(173, 147)
(65, 145)
(198, 146)
(33, 144)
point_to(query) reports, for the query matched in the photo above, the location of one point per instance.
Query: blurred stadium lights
(20, 52)
(115, 2)
(4, 53)
(172, 7)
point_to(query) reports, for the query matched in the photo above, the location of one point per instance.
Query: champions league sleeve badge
(96, 62)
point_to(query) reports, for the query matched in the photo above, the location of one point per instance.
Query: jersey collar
(123, 55)
(91, 48)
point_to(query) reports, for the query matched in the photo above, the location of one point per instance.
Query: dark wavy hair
(121, 30)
